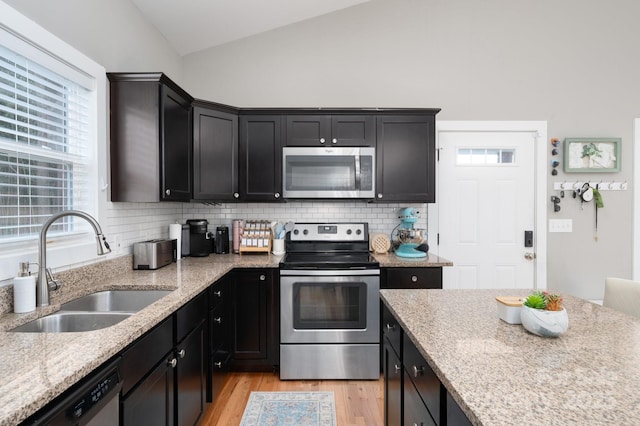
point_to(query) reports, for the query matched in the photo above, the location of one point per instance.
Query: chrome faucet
(45, 280)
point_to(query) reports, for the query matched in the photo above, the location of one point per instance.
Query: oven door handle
(358, 173)
(330, 273)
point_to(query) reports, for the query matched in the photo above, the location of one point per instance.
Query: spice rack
(256, 237)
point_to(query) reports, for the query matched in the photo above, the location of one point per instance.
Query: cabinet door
(152, 402)
(405, 159)
(190, 377)
(412, 278)
(308, 130)
(392, 386)
(423, 377)
(215, 155)
(256, 338)
(353, 130)
(260, 163)
(455, 415)
(175, 146)
(415, 413)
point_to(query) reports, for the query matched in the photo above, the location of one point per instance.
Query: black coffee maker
(199, 238)
(222, 240)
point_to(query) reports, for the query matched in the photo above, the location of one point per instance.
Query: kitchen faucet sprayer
(45, 280)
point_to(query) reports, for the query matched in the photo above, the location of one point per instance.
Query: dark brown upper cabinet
(331, 130)
(215, 152)
(150, 138)
(406, 158)
(260, 161)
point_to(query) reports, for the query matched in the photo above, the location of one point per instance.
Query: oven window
(329, 305)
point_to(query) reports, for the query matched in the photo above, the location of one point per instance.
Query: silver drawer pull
(218, 364)
(418, 371)
(397, 367)
(414, 279)
(218, 320)
(218, 293)
(391, 327)
(182, 353)
(172, 362)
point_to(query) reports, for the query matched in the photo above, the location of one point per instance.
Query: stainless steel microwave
(328, 172)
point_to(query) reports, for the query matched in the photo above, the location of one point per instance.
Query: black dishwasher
(94, 401)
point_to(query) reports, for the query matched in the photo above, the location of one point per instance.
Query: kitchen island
(499, 374)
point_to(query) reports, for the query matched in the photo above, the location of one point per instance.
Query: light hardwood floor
(358, 402)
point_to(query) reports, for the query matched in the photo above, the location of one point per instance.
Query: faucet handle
(51, 281)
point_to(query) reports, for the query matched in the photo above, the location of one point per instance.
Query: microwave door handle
(358, 177)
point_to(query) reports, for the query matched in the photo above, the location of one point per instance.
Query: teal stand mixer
(409, 239)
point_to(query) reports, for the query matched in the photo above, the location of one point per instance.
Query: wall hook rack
(601, 185)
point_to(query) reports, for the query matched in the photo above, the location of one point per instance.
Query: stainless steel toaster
(154, 254)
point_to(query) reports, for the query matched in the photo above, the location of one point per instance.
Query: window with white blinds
(45, 144)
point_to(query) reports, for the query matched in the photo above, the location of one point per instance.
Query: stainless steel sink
(115, 301)
(62, 322)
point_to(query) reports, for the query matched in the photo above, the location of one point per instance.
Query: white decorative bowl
(544, 323)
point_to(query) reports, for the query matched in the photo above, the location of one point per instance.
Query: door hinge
(438, 239)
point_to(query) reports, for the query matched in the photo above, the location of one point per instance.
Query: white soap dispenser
(24, 290)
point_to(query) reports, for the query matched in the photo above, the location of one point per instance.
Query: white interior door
(486, 202)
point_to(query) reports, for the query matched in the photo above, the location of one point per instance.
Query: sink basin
(62, 322)
(115, 301)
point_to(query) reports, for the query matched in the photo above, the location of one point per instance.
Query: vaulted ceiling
(193, 25)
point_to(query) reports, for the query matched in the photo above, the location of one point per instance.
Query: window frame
(63, 251)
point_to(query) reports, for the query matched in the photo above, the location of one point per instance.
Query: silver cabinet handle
(391, 327)
(218, 320)
(218, 293)
(334, 140)
(379, 195)
(262, 277)
(276, 195)
(418, 371)
(182, 353)
(322, 140)
(168, 192)
(414, 279)
(236, 195)
(397, 367)
(218, 364)
(172, 362)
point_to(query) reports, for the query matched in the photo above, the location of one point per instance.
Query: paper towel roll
(175, 233)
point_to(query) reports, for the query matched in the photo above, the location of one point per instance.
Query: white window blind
(45, 130)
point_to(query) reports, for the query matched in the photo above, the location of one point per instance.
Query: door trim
(636, 200)
(539, 129)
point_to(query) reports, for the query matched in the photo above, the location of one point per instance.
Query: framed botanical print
(592, 155)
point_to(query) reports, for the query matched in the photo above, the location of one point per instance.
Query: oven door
(321, 306)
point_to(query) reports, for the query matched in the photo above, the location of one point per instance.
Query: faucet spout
(42, 283)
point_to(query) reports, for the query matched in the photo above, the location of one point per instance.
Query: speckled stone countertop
(502, 375)
(37, 367)
(392, 261)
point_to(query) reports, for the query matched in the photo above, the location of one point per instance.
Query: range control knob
(305, 232)
(349, 231)
(359, 231)
(296, 232)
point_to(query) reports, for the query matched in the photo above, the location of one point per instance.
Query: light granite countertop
(37, 367)
(502, 375)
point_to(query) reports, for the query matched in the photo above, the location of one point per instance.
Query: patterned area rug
(290, 408)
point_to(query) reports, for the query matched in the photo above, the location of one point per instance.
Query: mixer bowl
(411, 235)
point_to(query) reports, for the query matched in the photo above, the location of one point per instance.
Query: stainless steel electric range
(329, 302)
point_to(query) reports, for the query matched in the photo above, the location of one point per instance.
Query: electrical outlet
(560, 225)
(117, 246)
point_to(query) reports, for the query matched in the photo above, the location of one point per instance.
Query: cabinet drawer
(415, 411)
(391, 330)
(219, 326)
(217, 294)
(423, 377)
(143, 355)
(190, 315)
(414, 278)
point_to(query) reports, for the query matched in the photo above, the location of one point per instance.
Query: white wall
(571, 63)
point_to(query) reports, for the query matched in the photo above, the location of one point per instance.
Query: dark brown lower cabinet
(164, 372)
(414, 394)
(255, 333)
(392, 385)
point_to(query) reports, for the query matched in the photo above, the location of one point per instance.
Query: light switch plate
(560, 225)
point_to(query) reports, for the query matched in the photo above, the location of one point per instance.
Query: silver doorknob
(529, 256)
